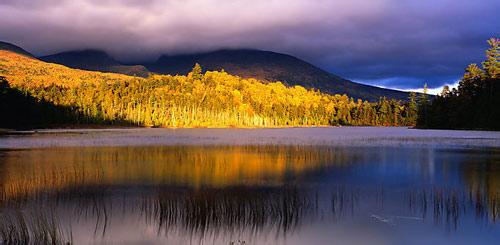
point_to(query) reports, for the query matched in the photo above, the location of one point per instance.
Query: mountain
(51, 93)
(13, 48)
(247, 63)
(271, 66)
(95, 60)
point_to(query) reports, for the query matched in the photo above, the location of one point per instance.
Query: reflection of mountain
(28, 172)
(209, 193)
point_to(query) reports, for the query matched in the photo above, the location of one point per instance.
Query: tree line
(475, 104)
(34, 93)
(200, 99)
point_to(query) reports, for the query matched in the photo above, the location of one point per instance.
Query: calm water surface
(251, 186)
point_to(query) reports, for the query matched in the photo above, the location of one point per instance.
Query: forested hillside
(13, 48)
(476, 102)
(271, 66)
(265, 66)
(211, 99)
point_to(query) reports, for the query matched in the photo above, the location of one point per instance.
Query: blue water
(254, 186)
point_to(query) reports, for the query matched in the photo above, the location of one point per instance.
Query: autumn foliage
(210, 99)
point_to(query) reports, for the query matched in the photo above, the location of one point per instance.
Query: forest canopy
(475, 104)
(200, 99)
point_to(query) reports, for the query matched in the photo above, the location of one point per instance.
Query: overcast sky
(391, 43)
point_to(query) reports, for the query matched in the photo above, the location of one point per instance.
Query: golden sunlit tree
(210, 99)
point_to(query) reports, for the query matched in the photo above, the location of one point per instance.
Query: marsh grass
(448, 206)
(344, 201)
(209, 211)
(17, 227)
(232, 213)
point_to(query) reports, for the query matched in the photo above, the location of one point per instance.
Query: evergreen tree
(445, 91)
(212, 99)
(473, 72)
(492, 64)
(476, 101)
(424, 99)
(412, 108)
(196, 73)
(423, 104)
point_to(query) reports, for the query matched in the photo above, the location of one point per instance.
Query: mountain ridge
(94, 60)
(210, 99)
(266, 66)
(14, 48)
(271, 66)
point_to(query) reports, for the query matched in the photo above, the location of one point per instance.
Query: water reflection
(233, 210)
(226, 194)
(34, 227)
(33, 171)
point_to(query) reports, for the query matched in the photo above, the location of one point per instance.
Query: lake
(350, 185)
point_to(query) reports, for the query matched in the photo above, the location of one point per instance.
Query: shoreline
(101, 128)
(313, 136)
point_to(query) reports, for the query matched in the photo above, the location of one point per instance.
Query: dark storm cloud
(393, 43)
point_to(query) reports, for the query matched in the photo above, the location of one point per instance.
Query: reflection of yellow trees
(484, 190)
(32, 171)
(213, 99)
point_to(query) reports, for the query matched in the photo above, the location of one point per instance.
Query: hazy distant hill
(14, 48)
(271, 66)
(94, 60)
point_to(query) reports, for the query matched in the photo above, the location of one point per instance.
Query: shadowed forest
(210, 99)
(284, 122)
(39, 94)
(475, 104)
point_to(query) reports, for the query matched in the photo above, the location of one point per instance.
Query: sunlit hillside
(25, 72)
(271, 66)
(211, 99)
(95, 60)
